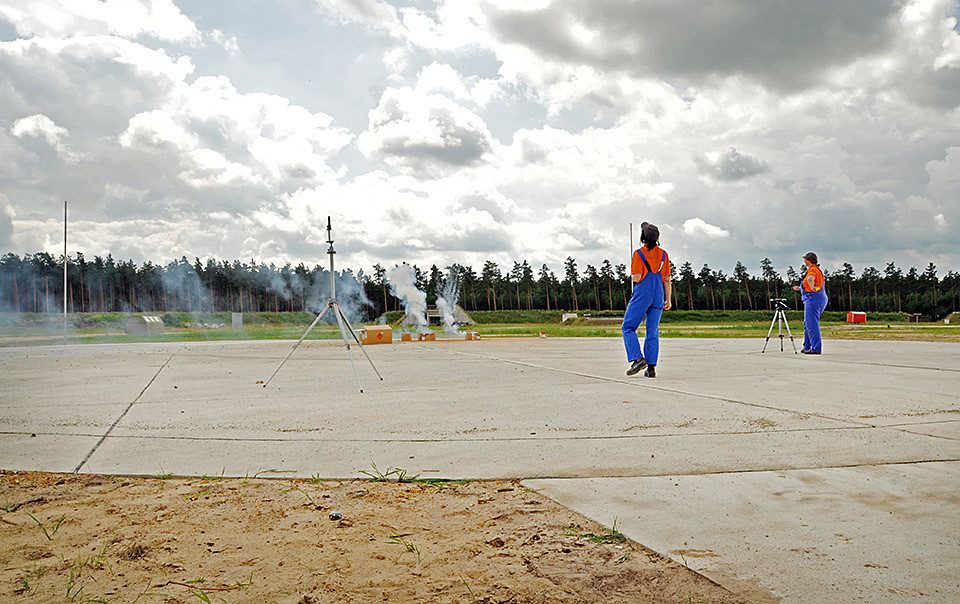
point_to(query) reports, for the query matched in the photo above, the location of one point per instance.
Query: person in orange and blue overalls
(815, 299)
(650, 274)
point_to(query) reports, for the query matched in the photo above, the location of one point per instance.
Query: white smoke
(448, 294)
(403, 285)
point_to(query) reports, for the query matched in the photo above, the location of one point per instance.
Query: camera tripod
(342, 322)
(780, 319)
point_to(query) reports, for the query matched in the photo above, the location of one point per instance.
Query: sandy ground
(91, 538)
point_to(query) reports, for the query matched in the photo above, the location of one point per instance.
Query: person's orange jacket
(817, 279)
(655, 257)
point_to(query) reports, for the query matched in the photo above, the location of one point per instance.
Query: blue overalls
(645, 303)
(813, 305)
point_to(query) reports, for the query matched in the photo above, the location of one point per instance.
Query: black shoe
(636, 366)
(651, 371)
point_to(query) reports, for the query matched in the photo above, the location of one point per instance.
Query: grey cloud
(6, 225)
(731, 165)
(470, 241)
(531, 152)
(484, 204)
(481, 240)
(461, 144)
(786, 45)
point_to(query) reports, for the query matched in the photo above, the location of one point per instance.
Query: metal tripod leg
(357, 339)
(780, 320)
(343, 334)
(790, 334)
(769, 331)
(297, 345)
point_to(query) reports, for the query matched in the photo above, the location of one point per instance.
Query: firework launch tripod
(342, 321)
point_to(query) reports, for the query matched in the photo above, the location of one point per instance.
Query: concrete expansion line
(647, 385)
(452, 439)
(895, 365)
(117, 421)
(878, 464)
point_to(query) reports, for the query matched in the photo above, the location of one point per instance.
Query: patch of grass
(397, 539)
(257, 475)
(220, 477)
(296, 487)
(467, 585)
(94, 561)
(51, 532)
(613, 535)
(398, 474)
(197, 495)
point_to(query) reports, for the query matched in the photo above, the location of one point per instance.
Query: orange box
(473, 335)
(406, 337)
(856, 317)
(376, 334)
(427, 337)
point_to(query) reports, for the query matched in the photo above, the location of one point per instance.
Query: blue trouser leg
(651, 342)
(631, 322)
(646, 295)
(813, 306)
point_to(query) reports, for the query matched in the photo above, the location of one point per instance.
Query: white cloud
(697, 227)
(222, 137)
(424, 133)
(945, 175)
(730, 165)
(474, 130)
(41, 126)
(370, 12)
(159, 19)
(230, 44)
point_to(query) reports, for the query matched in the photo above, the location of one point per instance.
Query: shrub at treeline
(34, 283)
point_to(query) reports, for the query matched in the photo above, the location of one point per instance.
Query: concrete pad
(44, 452)
(721, 419)
(866, 534)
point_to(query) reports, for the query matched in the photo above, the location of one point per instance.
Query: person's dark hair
(812, 257)
(649, 235)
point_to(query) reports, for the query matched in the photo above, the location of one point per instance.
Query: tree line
(34, 283)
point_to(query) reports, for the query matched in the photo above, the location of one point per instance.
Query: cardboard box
(406, 337)
(856, 317)
(472, 335)
(427, 337)
(376, 334)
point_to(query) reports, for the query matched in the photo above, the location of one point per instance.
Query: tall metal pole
(64, 271)
(330, 250)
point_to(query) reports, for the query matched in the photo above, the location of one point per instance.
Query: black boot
(636, 366)
(651, 371)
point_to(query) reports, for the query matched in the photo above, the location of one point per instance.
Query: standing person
(650, 273)
(814, 301)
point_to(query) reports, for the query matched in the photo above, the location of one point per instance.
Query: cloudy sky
(440, 131)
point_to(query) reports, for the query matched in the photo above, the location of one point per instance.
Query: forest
(35, 283)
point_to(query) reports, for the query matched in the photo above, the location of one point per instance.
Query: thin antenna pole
(330, 250)
(631, 239)
(64, 271)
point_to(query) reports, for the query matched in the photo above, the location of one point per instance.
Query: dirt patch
(119, 539)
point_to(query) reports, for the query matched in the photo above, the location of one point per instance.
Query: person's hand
(666, 305)
(796, 288)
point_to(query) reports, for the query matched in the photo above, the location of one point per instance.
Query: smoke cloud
(448, 294)
(403, 284)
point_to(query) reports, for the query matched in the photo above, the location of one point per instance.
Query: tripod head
(779, 303)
